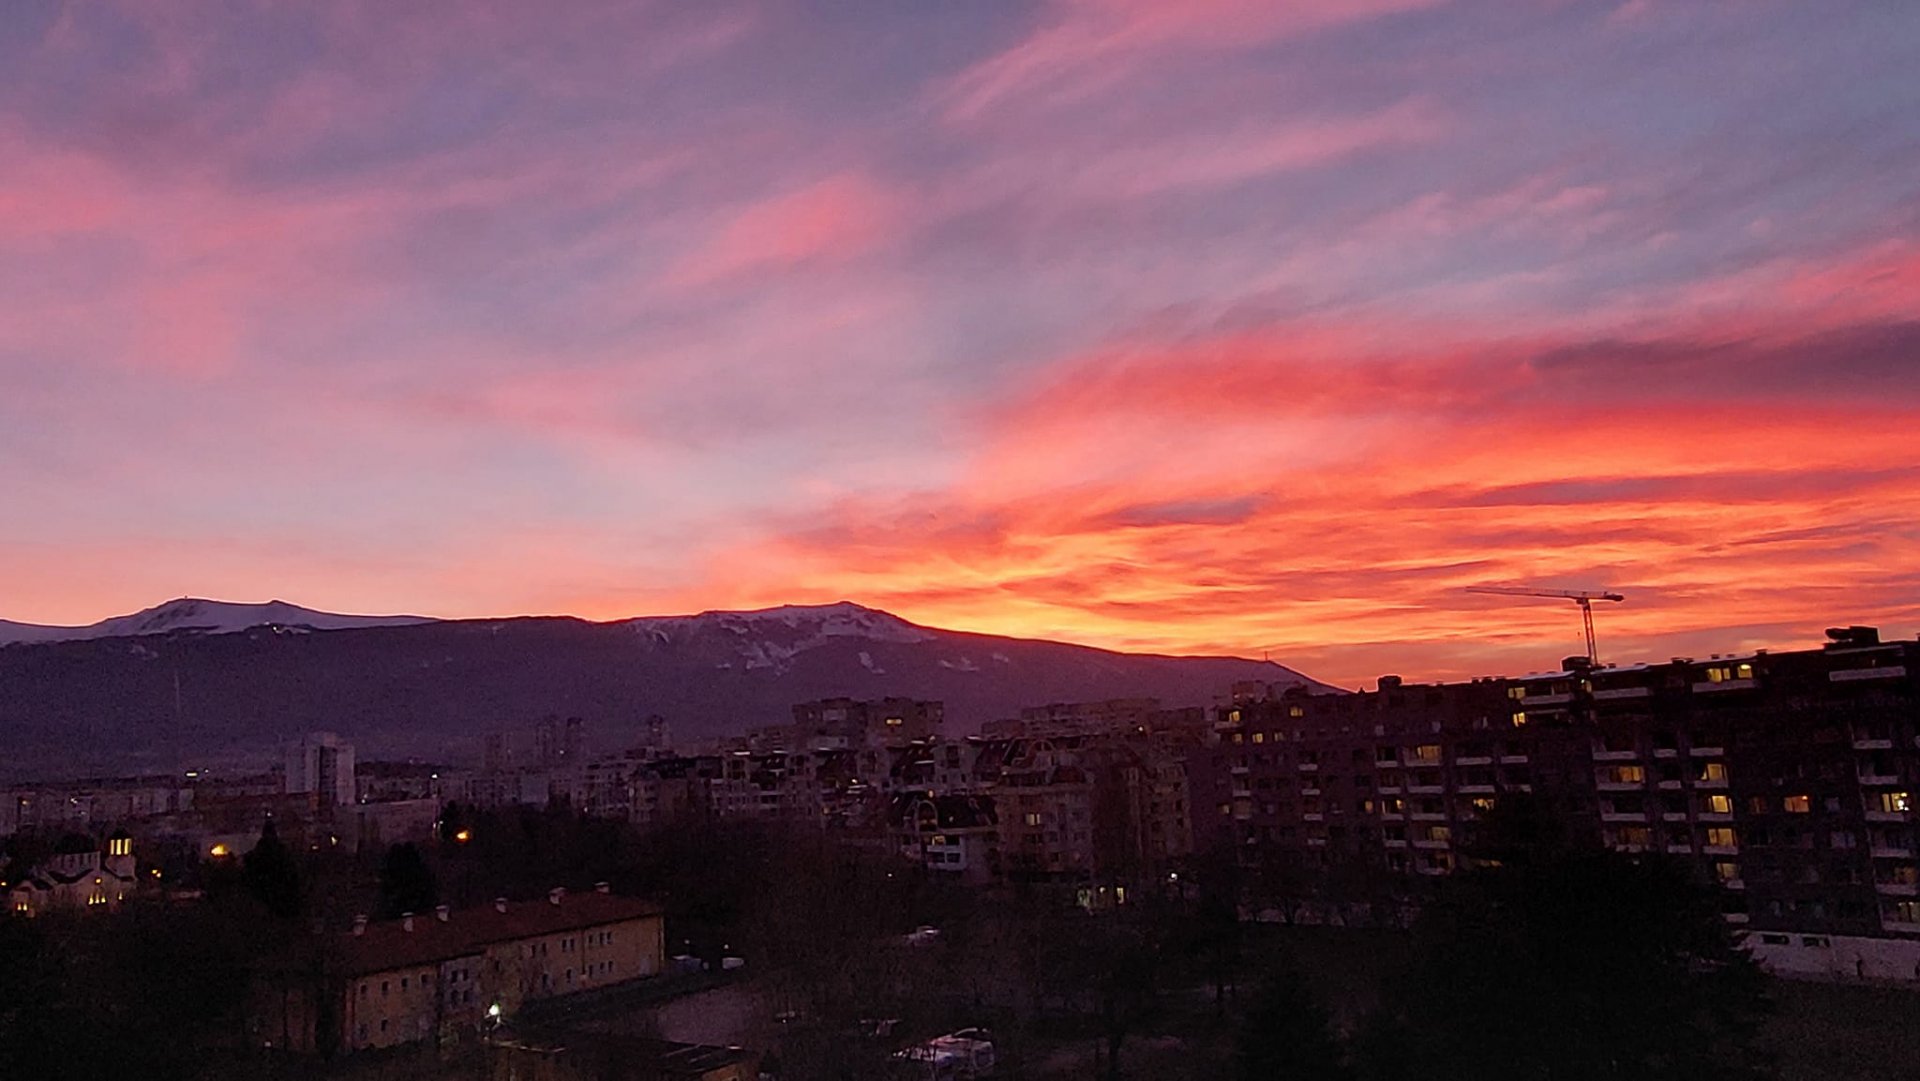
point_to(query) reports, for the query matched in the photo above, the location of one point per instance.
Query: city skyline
(1223, 328)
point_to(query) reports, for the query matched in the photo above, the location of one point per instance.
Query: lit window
(1713, 771)
(1296, 711)
(1798, 805)
(1439, 833)
(1721, 837)
(1516, 693)
(1726, 870)
(1519, 719)
(219, 851)
(1033, 818)
(1259, 737)
(1744, 671)
(1719, 805)
(1427, 752)
(1719, 674)
(1895, 802)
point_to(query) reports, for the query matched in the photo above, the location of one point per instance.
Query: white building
(321, 763)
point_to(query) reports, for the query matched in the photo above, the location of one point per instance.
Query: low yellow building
(444, 973)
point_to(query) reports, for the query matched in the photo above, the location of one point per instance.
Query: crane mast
(1582, 597)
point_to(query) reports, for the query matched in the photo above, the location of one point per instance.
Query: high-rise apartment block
(320, 763)
(1788, 778)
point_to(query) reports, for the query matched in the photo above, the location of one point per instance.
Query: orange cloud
(1261, 493)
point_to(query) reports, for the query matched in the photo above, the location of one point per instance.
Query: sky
(1212, 327)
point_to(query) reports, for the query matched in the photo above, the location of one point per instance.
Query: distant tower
(321, 763)
(657, 740)
(496, 753)
(558, 742)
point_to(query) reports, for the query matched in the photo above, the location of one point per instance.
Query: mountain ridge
(156, 700)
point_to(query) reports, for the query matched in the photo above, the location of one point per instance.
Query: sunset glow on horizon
(1221, 327)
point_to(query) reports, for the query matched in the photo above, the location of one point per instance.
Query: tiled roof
(389, 945)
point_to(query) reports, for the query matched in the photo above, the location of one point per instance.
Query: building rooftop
(389, 944)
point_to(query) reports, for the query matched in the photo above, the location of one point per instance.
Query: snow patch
(194, 615)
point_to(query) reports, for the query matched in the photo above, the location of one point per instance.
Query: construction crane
(1583, 598)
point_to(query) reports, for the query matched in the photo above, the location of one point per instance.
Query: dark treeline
(1547, 959)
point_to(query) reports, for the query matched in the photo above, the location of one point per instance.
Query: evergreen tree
(271, 876)
(406, 882)
(1560, 959)
(1287, 1036)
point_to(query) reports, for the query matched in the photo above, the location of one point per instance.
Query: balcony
(1613, 693)
(1734, 917)
(1886, 816)
(1308, 767)
(1899, 928)
(1239, 769)
(1623, 816)
(1476, 790)
(1896, 889)
(1666, 752)
(1892, 852)
(1619, 786)
(1309, 791)
(1426, 789)
(1428, 816)
(1474, 760)
(1391, 843)
(1707, 752)
(1879, 779)
(1850, 675)
(1616, 756)
(1428, 844)
(1708, 686)
(1513, 759)
(1545, 699)
(1720, 850)
(1873, 745)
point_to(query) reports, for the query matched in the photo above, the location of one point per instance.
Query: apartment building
(848, 722)
(443, 974)
(948, 834)
(1788, 778)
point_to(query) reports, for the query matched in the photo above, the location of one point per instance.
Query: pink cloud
(830, 221)
(1087, 45)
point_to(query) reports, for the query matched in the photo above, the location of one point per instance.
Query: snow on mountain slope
(197, 616)
(771, 638)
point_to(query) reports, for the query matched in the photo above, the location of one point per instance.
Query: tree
(406, 882)
(270, 875)
(1561, 959)
(1287, 1036)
